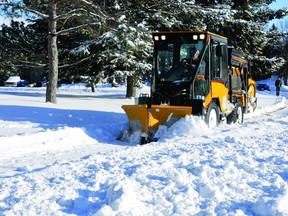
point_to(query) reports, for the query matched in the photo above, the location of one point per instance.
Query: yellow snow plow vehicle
(194, 73)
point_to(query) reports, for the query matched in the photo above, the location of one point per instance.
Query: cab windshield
(178, 60)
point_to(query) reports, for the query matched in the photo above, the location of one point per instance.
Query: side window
(219, 61)
(215, 62)
(201, 84)
(225, 62)
(206, 60)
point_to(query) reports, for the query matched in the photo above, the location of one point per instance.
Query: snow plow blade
(149, 119)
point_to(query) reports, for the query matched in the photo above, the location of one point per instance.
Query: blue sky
(279, 4)
(276, 5)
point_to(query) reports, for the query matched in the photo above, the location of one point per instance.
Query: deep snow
(64, 159)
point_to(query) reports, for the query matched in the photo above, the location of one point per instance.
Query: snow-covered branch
(72, 13)
(23, 8)
(95, 7)
(44, 16)
(77, 13)
(7, 2)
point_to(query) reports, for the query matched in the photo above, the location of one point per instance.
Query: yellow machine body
(149, 119)
(216, 86)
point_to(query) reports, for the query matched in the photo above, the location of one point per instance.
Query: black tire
(212, 116)
(236, 116)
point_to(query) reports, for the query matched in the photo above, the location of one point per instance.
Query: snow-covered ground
(64, 159)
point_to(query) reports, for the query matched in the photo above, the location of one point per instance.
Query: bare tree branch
(35, 64)
(76, 63)
(64, 31)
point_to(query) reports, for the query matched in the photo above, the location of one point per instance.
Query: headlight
(202, 36)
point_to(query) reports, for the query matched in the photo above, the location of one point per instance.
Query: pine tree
(122, 46)
(243, 22)
(23, 45)
(56, 13)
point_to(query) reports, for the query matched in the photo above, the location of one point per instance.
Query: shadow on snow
(101, 126)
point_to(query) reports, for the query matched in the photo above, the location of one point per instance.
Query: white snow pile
(64, 159)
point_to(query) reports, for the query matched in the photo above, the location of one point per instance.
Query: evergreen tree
(280, 44)
(243, 22)
(127, 51)
(273, 51)
(122, 46)
(9, 50)
(23, 45)
(57, 12)
(122, 49)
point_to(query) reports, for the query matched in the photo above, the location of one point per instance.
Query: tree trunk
(131, 88)
(51, 90)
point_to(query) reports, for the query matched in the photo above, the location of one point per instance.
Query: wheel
(143, 140)
(237, 114)
(212, 116)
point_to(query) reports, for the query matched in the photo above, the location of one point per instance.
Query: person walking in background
(278, 84)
